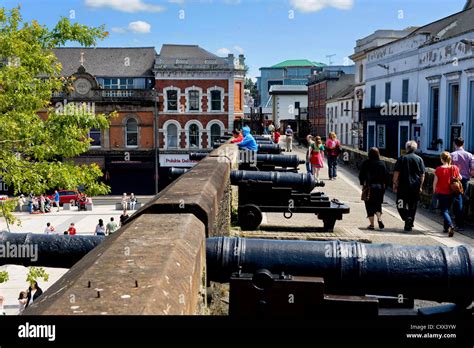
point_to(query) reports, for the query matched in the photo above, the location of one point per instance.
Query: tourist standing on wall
(465, 162)
(408, 178)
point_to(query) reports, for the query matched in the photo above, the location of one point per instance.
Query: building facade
(421, 87)
(200, 97)
(340, 115)
(120, 80)
(286, 104)
(289, 72)
(321, 88)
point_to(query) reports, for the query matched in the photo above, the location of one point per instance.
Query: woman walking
(309, 140)
(317, 156)
(372, 176)
(100, 228)
(333, 147)
(442, 189)
(34, 291)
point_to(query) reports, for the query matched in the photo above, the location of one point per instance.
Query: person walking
(465, 162)
(124, 217)
(333, 148)
(34, 291)
(373, 177)
(442, 189)
(133, 201)
(309, 140)
(49, 228)
(100, 228)
(408, 178)
(317, 156)
(289, 138)
(56, 199)
(30, 202)
(111, 227)
(42, 202)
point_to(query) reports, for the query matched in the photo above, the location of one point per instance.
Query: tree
(36, 153)
(34, 273)
(250, 85)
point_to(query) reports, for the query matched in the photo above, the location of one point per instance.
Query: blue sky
(266, 31)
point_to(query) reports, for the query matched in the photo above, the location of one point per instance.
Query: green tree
(36, 152)
(34, 273)
(3, 276)
(250, 85)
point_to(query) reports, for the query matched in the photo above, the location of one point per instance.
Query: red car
(66, 196)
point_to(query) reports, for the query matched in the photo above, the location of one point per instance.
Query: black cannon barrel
(48, 250)
(292, 161)
(264, 142)
(197, 156)
(272, 149)
(261, 137)
(437, 273)
(303, 182)
(176, 172)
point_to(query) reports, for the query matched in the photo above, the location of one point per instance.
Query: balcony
(109, 95)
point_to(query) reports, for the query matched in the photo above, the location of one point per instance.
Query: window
(453, 100)
(342, 108)
(131, 133)
(123, 83)
(347, 108)
(361, 73)
(194, 136)
(216, 101)
(347, 134)
(215, 133)
(95, 135)
(434, 116)
(381, 131)
(370, 136)
(405, 86)
(335, 113)
(171, 136)
(388, 92)
(193, 100)
(373, 91)
(172, 100)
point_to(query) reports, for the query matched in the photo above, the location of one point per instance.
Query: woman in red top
(442, 189)
(276, 136)
(237, 136)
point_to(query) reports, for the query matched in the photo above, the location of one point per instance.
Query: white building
(340, 115)
(431, 69)
(286, 101)
(363, 47)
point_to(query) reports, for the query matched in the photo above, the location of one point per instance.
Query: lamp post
(156, 138)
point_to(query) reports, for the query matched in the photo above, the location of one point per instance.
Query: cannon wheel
(250, 217)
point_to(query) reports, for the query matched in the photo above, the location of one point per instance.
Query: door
(403, 136)
(370, 134)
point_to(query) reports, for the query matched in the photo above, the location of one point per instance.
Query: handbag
(365, 196)
(455, 184)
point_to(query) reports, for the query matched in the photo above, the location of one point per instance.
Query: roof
(185, 51)
(108, 61)
(297, 63)
(288, 89)
(344, 93)
(448, 27)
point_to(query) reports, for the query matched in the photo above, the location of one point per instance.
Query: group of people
(40, 204)
(316, 152)
(100, 229)
(408, 179)
(26, 298)
(126, 201)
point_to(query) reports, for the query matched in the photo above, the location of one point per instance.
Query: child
(22, 298)
(317, 156)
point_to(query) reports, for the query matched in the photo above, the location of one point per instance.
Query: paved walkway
(427, 231)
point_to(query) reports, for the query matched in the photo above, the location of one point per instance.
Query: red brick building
(201, 95)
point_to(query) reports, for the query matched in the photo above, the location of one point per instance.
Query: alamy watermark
(400, 109)
(353, 251)
(20, 251)
(72, 108)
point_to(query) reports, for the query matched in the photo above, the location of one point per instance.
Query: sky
(265, 31)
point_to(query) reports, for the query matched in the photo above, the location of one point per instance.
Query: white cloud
(139, 27)
(239, 49)
(130, 6)
(223, 51)
(317, 5)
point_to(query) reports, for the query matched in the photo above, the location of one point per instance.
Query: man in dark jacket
(408, 178)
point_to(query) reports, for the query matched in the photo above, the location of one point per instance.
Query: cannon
(330, 276)
(49, 250)
(287, 193)
(270, 149)
(175, 173)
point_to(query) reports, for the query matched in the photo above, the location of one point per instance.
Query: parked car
(66, 196)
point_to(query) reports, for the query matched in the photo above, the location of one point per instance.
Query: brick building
(122, 80)
(200, 96)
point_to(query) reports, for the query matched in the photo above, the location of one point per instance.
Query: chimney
(241, 59)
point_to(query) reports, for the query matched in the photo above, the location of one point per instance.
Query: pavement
(427, 230)
(85, 223)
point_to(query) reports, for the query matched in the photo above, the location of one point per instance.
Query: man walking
(408, 178)
(464, 161)
(289, 139)
(56, 199)
(111, 227)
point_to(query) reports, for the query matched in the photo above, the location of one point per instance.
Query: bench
(66, 206)
(118, 206)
